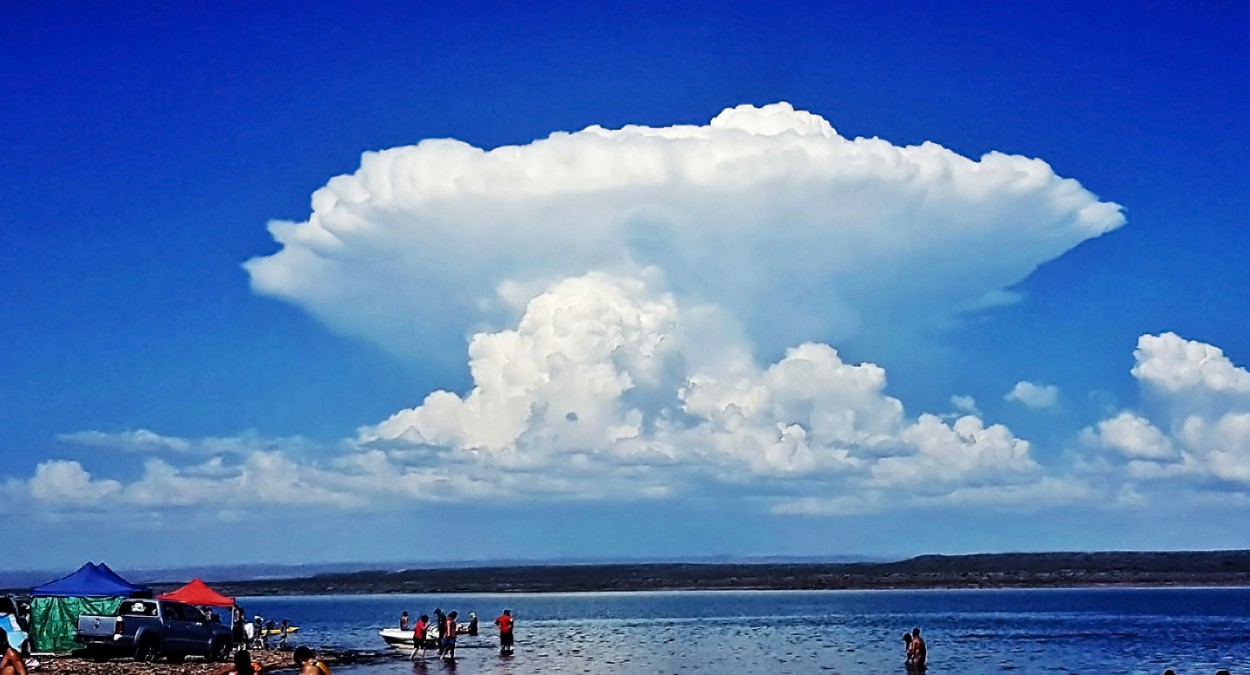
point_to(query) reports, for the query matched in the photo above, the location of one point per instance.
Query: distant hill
(990, 570)
(997, 570)
(22, 580)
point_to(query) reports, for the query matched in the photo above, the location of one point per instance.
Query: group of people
(916, 653)
(255, 634)
(305, 660)
(440, 632)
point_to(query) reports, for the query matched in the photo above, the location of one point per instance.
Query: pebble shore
(273, 661)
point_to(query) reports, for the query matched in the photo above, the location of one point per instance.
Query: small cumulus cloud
(965, 404)
(1197, 431)
(1174, 365)
(1036, 396)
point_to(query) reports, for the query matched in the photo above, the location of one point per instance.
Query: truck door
(179, 627)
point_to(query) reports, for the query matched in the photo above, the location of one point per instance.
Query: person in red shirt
(505, 631)
(418, 636)
(449, 635)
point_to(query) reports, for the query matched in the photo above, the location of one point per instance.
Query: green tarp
(55, 620)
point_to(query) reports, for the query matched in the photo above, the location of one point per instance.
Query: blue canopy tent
(56, 605)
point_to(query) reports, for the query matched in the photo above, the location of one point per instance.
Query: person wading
(505, 631)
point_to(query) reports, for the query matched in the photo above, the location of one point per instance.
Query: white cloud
(67, 483)
(1036, 396)
(641, 273)
(144, 441)
(609, 388)
(1135, 437)
(965, 404)
(1174, 365)
(141, 441)
(1199, 428)
(799, 233)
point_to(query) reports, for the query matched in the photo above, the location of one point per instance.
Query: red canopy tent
(198, 593)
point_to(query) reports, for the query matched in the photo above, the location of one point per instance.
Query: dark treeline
(994, 570)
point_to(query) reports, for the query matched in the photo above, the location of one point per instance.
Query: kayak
(278, 631)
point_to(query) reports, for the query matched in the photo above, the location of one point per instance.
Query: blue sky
(632, 296)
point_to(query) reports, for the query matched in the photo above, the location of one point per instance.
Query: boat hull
(399, 639)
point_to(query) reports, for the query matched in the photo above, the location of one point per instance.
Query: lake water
(967, 632)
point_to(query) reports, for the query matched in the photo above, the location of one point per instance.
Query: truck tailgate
(93, 628)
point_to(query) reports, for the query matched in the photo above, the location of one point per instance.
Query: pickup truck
(148, 629)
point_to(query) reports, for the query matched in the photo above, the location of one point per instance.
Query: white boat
(399, 639)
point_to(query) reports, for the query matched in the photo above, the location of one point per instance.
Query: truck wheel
(220, 651)
(176, 658)
(99, 655)
(147, 651)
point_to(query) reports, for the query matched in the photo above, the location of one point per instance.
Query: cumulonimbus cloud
(651, 311)
(766, 212)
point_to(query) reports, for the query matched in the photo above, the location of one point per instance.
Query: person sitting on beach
(505, 631)
(242, 665)
(919, 653)
(308, 664)
(11, 662)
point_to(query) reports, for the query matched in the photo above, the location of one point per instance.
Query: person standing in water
(449, 636)
(440, 623)
(403, 620)
(418, 636)
(473, 624)
(505, 631)
(918, 651)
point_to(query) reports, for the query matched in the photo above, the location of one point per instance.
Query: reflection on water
(968, 632)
